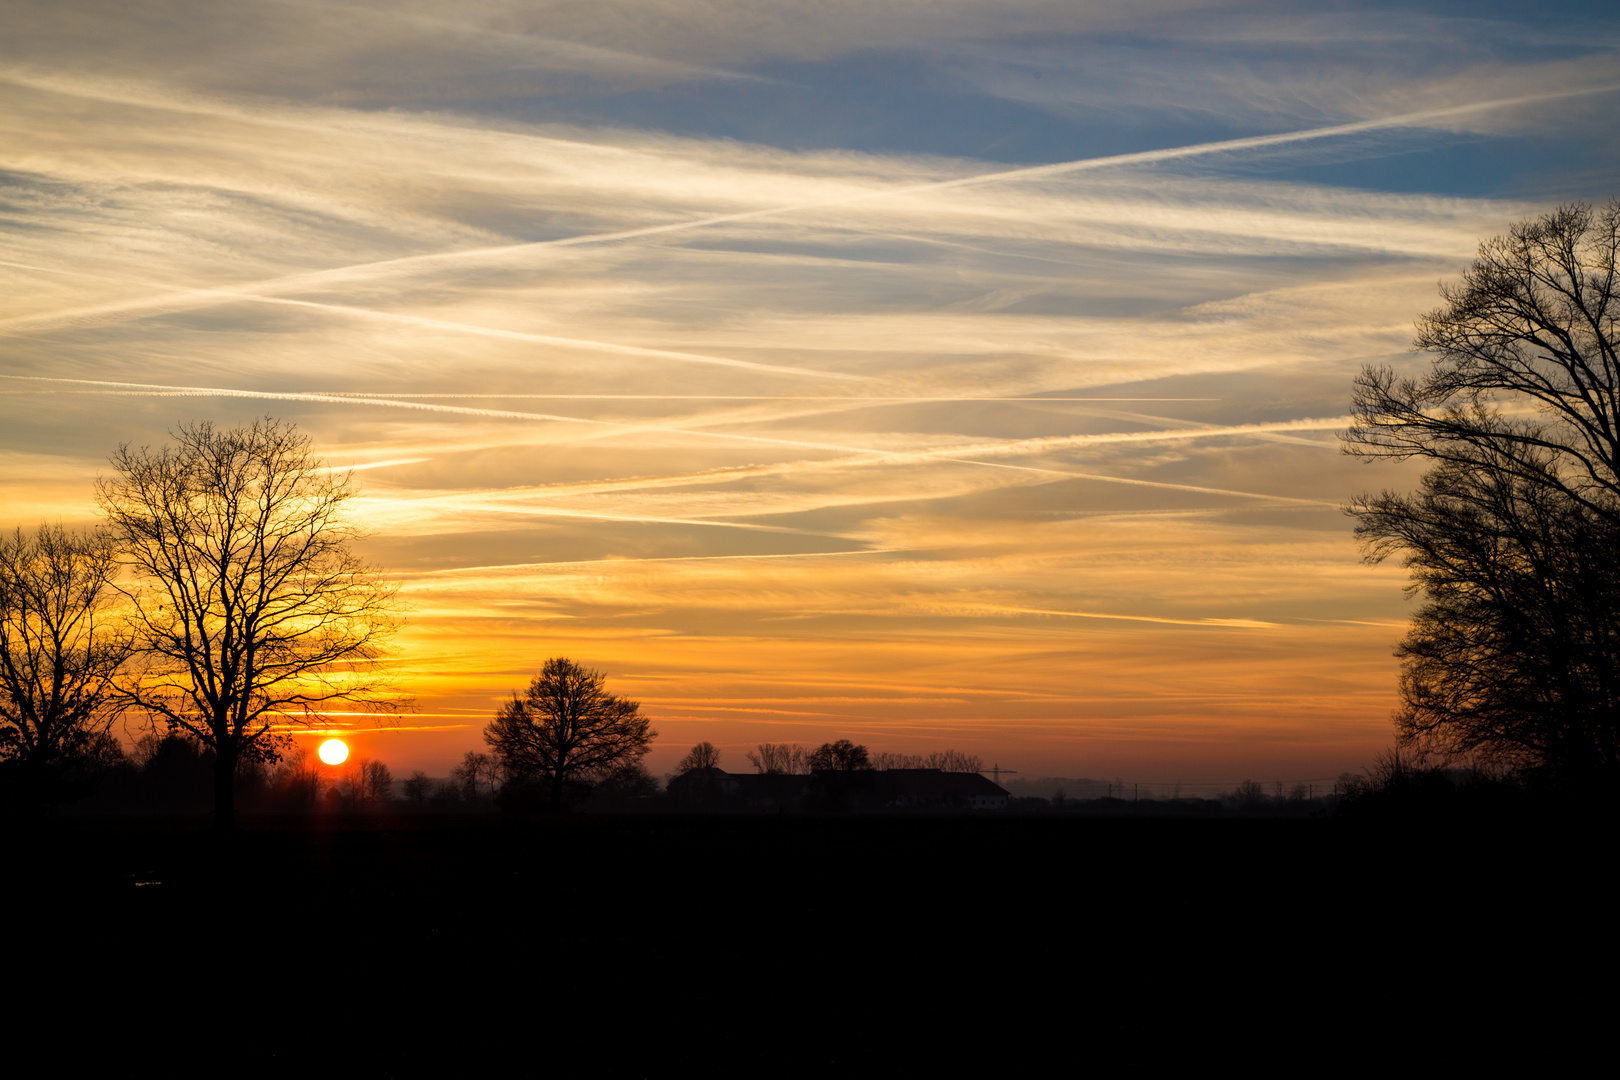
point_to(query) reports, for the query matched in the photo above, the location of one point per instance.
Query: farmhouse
(867, 790)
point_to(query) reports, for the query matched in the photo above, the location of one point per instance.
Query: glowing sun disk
(334, 751)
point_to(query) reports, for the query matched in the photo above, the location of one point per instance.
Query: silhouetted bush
(1400, 786)
(94, 772)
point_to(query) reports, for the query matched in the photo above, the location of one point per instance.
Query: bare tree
(705, 755)
(954, 761)
(787, 759)
(1526, 381)
(295, 782)
(1251, 794)
(417, 788)
(370, 781)
(59, 647)
(566, 728)
(1513, 538)
(465, 776)
(475, 770)
(943, 760)
(251, 613)
(840, 756)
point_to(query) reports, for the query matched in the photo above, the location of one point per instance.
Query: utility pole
(996, 771)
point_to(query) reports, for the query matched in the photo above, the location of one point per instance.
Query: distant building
(932, 789)
(868, 790)
(703, 787)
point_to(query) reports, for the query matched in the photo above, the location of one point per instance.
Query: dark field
(660, 944)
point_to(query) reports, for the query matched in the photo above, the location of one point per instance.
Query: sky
(962, 373)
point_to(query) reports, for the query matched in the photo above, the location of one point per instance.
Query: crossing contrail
(188, 298)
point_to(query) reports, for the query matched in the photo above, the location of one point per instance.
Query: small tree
(1250, 794)
(370, 781)
(418, 787)
(476, 769)
(780, 759)
(250, 611)
(567, 728)
(840, 756)
(59, 648)
(705, 755)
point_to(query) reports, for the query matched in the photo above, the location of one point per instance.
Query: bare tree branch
(60, 643)
(250, 612)
(1513, 539)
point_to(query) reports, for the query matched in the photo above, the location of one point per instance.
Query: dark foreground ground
(665, 945)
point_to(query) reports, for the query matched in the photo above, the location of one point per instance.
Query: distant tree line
(842, 754)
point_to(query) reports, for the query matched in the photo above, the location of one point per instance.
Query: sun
(334, 751)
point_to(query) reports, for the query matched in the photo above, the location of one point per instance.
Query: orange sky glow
(918, 445)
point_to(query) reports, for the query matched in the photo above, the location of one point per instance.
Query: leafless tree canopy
(59, 644)
(369, 781)
(1525, 380)
(943, 760)
(1513, 538)
(705, 755)
(567, 727)
(788, 759)
(418, 787)
(250, 610)
(475, 771)
(841, 755)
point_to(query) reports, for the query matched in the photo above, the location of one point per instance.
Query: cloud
(872, 437)
(1297, 67)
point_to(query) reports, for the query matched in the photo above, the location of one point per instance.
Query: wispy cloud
(793, 427)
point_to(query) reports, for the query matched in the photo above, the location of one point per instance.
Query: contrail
(1244, 624)
(1168, 486)
(546, 339)
(204, 297)
(160, 390)
(529, 567)
(856, 399)
(754, 472)
(317, 278)
(1014, 446)
(1143, 157)
(471, 502)
(856, 455)
(585, 57)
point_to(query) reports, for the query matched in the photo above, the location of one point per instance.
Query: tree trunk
(225, 789)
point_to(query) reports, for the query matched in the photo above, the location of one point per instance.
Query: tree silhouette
(418, 787)
(566, 727)
(943, 760)
(705, 755)
(785, 759)
(1513, 537)
(840, 756)
(250, 612)
(476, 769)
(369, 781)
(59, 645)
